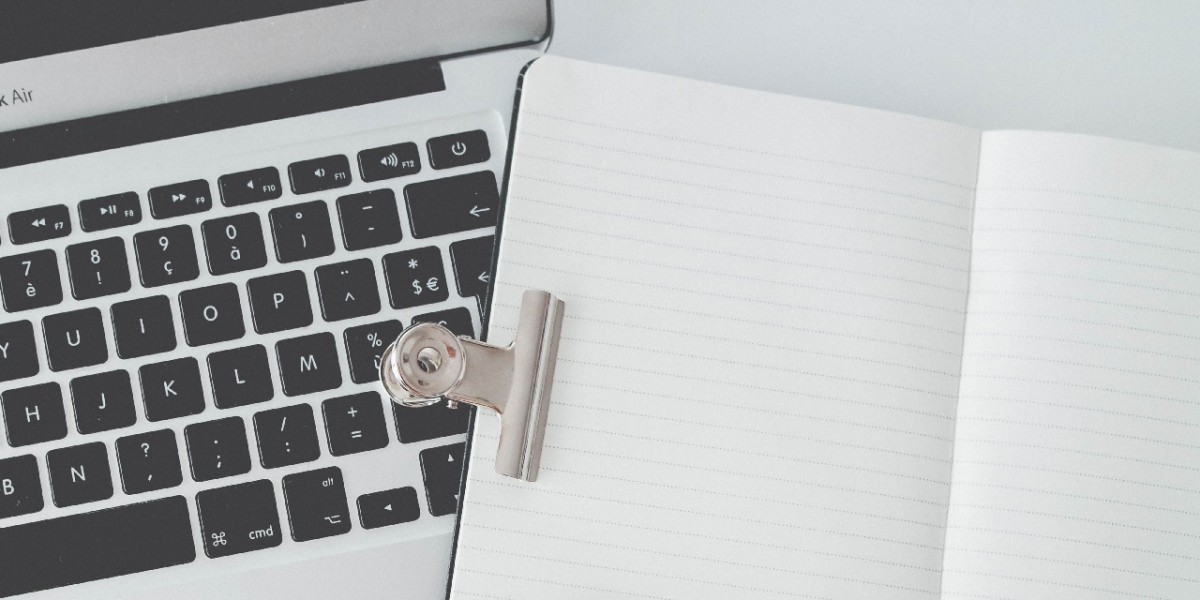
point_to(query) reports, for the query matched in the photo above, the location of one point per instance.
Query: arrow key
(39, 224)
(452, 204)
(348, 290)
(472, 265)
(442, 467)
(389, 507)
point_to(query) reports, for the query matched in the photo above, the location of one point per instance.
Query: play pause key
(389, 507)
(110, 211)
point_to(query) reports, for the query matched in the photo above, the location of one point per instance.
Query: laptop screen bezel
(205, 62)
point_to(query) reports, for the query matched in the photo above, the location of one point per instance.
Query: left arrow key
(39, 224)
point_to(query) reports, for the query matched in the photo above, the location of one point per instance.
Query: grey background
(1123, 69)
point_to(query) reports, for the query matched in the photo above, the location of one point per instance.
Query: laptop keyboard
(320, 322)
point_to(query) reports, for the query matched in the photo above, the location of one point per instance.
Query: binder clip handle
(428, 363)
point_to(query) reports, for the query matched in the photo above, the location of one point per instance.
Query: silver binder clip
(428, 362)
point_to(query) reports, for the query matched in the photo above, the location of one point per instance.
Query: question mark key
(149, 461)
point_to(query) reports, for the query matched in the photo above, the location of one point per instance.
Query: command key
(239, 518)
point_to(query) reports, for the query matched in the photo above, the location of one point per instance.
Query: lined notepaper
(757, 377)
(1077, 460)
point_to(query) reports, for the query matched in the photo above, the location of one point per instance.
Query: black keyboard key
(286, 436)
(18, 355)
(30, 280)
(369, 219)
(355, 423)
(149, 461)
(319, 174)
(166, 255)
(458, 203)
(364, 347)
(280, 302)
(171, 389)
(79, 474)
(217, 448)
(39, 224)
(348, 290)
(178, 199)
(429, 422)
(109, 212)
(302, 231)
(143, 327)
(455, 150)
(459, 149)
(415, 277)
(248, 187)
(102, 402)
(389, 507)
(442, 470)
(98, 268)
(240, 376)
(75, 339)
(239, 518)
(472, 265)
(20, 487)
(387, 162)
(308, 364)
(211, 314)
(316, 504)
(41, 555)
(234, 244)
(34, 414)
(457, 320)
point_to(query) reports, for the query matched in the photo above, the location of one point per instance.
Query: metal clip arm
(428, 362)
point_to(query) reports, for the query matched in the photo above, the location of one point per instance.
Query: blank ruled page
(759, 362)
(1077, 458)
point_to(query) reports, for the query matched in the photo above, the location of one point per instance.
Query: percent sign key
(365, 345)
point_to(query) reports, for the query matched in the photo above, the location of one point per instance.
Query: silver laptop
(213, 217)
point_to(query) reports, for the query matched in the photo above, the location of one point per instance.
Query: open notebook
(817, 351)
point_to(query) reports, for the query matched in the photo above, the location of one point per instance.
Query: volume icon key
(387, 162)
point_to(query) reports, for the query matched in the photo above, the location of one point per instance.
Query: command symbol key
(239, 518)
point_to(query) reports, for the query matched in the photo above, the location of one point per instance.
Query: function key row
(247, 187)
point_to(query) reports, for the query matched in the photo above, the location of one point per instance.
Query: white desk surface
(1124, 69)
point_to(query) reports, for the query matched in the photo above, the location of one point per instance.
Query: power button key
(455, 150)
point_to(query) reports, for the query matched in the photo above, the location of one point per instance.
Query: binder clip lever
(428, 362)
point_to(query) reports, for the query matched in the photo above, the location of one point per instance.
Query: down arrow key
(389, 507)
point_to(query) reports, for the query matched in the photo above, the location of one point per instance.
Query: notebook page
(1077, 457)
(759, 359)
